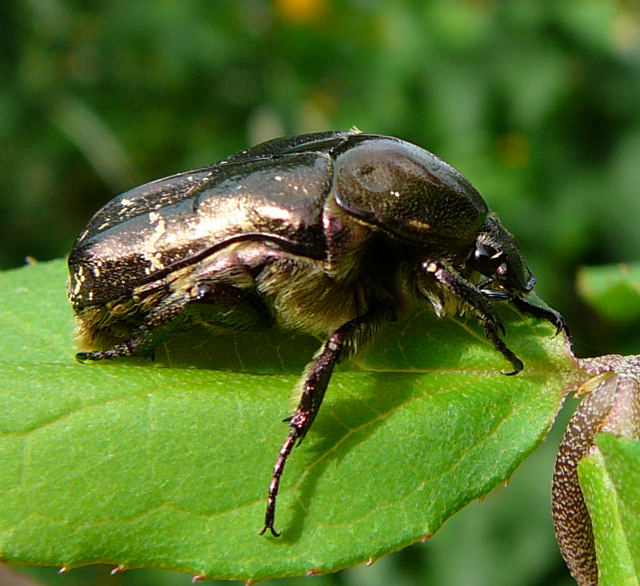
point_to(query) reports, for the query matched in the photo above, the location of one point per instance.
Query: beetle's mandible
(332, 233)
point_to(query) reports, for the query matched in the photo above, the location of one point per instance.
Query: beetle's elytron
(332, 234)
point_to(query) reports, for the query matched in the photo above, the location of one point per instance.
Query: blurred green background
(536, 102)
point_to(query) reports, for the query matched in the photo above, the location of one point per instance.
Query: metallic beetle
(331, 233)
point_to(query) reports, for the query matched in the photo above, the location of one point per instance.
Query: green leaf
(612, 290)
(166, 464)
(610, 481)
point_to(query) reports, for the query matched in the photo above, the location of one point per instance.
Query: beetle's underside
(360, 231)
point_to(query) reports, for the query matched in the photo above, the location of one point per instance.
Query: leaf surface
(610, 481)
(167, 463)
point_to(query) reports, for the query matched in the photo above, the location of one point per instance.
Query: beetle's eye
(483, 252)
(489, 261)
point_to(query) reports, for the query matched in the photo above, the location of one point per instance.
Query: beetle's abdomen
(150, 232)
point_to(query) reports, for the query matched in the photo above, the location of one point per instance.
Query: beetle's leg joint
(477, 300)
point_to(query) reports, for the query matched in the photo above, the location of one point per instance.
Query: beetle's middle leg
(473, 298)
(340, 345)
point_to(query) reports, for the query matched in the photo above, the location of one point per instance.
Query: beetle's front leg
(340, 345)
(524, 305)
(482, 309)
(547, 313)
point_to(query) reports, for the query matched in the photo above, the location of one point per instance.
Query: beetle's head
(496, 255)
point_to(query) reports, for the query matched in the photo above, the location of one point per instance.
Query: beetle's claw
(518, 365)
(556, 319)
(560, 323)
(511, 373)
(270, 527)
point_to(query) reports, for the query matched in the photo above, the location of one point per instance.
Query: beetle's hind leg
(482, 309)
(219, 304)
(340, 345)
(229, 308)
(146, 336)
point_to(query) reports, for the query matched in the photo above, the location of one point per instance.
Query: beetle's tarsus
(278, 468)
(501, 347)
(96, 355)
(551, 315)
(124, 349)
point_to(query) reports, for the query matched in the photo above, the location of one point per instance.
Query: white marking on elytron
(150, 244)
(77, 283)
(395, 193)
(273, 212)
(278, 177)
(209, 225)
(124, 202)
(96, 271)
(418, 224)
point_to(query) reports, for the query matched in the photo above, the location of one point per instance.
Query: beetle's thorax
(317, 296)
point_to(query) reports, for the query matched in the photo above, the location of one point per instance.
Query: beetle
(331, 233)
